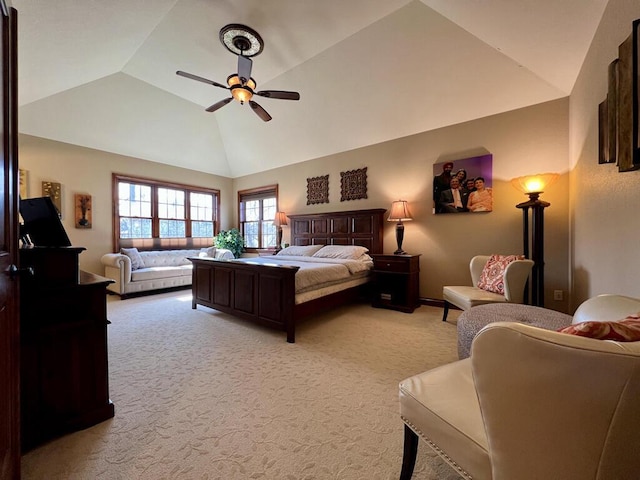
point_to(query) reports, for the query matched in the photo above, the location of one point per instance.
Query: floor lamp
(533, 239)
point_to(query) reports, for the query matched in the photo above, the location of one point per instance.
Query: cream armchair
(465, 297)
(532, 404)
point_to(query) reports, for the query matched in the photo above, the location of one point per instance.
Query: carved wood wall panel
(318, 190)
(353, 184)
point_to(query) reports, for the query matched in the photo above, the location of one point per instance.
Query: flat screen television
(42, 224)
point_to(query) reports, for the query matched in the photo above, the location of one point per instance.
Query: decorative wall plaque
(318, 190)
(83, 210)
(619, 114)
(628, 151)
(612, 113)
(353, 184)
(53, 190)
(24, 183)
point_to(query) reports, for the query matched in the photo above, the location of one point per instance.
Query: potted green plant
(231, 240)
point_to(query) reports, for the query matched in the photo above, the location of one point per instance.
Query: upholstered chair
(532, 403)
(514, 278)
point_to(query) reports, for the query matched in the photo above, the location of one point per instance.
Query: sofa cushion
(155, 273)
(626, 330)
(168, 258)
(134, 255)
(492, 276)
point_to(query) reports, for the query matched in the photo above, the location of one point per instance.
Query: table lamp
(399, 213)
(279, 220)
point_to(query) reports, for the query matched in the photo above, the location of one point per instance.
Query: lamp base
(279, 239)
(399, 238)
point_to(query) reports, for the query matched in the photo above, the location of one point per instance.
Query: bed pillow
(627, 330)
(492, 276)
(348, 252)
(300, 250)
(134, 255)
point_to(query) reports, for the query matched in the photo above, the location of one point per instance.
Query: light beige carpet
(201, 395)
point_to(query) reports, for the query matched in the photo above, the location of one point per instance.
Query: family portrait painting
(463, 186)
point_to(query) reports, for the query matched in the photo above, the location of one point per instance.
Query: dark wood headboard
(355, 227)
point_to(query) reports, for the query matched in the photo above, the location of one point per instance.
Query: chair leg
(446, 311)
(409, 454)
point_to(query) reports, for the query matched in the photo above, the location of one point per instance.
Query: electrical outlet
(557, 295)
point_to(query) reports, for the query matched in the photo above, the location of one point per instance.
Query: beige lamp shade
(399, 212)
(280, 219)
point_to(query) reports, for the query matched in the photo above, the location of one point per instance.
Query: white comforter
(315, 271)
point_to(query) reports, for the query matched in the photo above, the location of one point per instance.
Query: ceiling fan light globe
(240, 93)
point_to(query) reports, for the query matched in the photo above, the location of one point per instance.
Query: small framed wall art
(82, 204)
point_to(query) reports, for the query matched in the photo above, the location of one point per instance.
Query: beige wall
(605, 219)
(526, 141)
(84, 170)
(595, 202)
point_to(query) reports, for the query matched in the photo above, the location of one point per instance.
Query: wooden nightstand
(396, 282)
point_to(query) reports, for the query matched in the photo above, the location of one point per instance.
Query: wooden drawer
(391, 265)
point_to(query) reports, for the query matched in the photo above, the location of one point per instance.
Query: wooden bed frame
(266, 293)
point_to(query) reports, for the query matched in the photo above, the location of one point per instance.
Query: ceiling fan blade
(261, 112)
(279, 94)
(219, 104)
(201, 79)
(244, 68)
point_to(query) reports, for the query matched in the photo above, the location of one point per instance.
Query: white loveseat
(160, 269)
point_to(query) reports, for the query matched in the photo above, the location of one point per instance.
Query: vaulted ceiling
(103, 74)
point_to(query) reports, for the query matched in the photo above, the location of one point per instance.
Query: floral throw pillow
(492, 276)
(627, 330)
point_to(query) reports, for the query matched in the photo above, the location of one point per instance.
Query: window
(257, 209)
(157, 214)
(171, 213)
(134, 207)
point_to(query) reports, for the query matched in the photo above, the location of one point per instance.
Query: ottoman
(471, 321)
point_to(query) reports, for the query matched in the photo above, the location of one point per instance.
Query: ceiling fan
(245, 43)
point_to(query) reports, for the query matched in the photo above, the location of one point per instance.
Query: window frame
(155, 242)
(266, 191)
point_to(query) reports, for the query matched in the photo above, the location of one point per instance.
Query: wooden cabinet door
(9, 313)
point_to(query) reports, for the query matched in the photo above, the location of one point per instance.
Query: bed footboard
(266, 294)
(257, 292)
